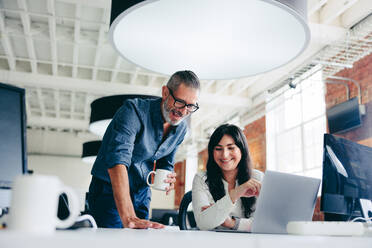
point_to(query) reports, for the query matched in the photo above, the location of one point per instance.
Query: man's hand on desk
(171, 180)
(137, 223)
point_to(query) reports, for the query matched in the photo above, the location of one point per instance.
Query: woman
(224, 196)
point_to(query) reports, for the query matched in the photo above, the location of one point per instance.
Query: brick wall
(179, 187)
(255, 133)
(202, 160)
(318, 215)
(362, 73)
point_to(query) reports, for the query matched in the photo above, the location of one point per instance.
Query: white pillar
(191, 166)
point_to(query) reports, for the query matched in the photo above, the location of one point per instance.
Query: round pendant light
(217, 39)
(90, 151)
(103, 110)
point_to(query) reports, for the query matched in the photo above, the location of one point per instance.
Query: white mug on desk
(34, 204)
(160, 176)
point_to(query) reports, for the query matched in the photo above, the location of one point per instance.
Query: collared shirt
(134, 139)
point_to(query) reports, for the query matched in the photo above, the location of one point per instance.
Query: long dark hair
(214, 172)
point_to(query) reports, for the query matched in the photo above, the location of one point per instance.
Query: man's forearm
(120, 186)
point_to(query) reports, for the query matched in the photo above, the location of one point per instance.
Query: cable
(88, 217)
(361, 218)
(352, 209)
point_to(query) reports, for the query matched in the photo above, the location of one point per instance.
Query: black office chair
(186, 219)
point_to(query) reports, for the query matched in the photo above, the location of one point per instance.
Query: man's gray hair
(188, 78)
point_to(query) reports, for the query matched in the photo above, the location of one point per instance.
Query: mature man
(141, 132)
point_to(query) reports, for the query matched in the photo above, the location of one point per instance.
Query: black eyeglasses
(178, 103)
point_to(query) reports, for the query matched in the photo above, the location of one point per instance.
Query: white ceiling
(59, 51)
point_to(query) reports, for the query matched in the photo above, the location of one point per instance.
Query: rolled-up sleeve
(125, 126)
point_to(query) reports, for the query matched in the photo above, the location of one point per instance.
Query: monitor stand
(5, 195)
(366, 206)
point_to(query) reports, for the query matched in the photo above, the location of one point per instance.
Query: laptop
(283, 198)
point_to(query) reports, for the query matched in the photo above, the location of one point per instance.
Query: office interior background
(58, 50)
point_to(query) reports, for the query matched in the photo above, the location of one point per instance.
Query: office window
(295, 124)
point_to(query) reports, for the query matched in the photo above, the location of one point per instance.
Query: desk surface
(172, 237)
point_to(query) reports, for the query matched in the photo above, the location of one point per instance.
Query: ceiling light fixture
(217, 39)
(90, 151)
(103, 110)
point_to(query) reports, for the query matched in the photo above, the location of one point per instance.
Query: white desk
(173, 238)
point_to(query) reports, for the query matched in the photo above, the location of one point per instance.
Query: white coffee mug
(160, 176)
(34, 204)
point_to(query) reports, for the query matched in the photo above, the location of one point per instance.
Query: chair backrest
(182, 213)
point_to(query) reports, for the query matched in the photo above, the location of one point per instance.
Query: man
(141, 132)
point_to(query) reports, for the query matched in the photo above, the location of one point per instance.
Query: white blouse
(216, 214)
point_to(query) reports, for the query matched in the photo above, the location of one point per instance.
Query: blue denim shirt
(134, 138)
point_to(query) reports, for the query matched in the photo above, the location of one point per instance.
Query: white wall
(76, 174)
(72, 171)
(160, 200)
(63, 160)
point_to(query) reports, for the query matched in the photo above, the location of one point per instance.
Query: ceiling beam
(151, 81)
(75, 51)
(73, 84)
(134, 76)
(333, 9)
(57, 123)
(52, 35)
(244, 84)
(114, 73)
(203, 116)
(108, 88)
(27, 30)
(353, 15)
(315, 5)
(41, 101)
(72, 104)
(7, 44)
(100, 40)
(208, 85)
(88, 101)
(57, 102)
(90, 3)
(224, 86)
(143, 73)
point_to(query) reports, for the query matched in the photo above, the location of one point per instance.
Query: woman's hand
(229, 222)
(205, 207)
(248, 189)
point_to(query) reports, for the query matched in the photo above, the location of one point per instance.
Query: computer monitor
(344, 116)
(347, 174)
(13, 156)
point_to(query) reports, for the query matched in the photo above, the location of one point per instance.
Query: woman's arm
(208, 214)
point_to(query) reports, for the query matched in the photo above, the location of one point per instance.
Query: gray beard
(166, 113)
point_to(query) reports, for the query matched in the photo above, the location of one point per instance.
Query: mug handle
(73, 208)
(147, 179)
